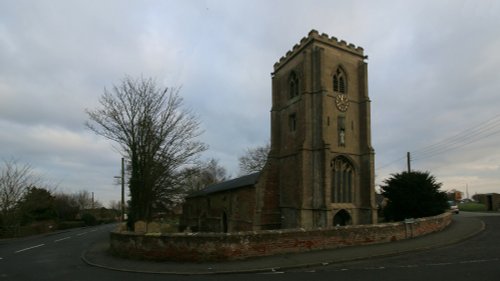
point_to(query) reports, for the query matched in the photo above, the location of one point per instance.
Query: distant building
(320, 169)
(490, 200)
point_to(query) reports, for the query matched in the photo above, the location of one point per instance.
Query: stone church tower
(320, 170)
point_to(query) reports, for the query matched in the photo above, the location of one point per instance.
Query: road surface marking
(83, 233)
(408, 266)
(93, 230)
(62, 239)
(375, 268)
(439, 264)
(25, 249)
(477, 261)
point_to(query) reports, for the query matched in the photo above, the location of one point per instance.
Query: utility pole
(408, 161)
(123, 190)
(122, 181)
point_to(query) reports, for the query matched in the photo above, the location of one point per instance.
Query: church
(320, 169)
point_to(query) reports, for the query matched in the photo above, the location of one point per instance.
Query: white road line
(375, 268)
(25, 249)
(62, 239)
(83, 233)
(408, 266)
(440, 264)
(93, 230)
(474, 261)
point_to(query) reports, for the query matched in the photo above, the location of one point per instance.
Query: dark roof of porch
(243, 181)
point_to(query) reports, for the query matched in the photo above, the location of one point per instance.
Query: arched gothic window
(342, 186)
(293, 85)
(340, 81)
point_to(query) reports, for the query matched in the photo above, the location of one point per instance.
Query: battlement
(324, 38)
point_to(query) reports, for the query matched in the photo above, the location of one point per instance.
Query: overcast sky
(434, 78)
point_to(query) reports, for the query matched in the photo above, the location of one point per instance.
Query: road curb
(206, 269)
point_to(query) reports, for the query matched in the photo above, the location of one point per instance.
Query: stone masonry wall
(198, 247)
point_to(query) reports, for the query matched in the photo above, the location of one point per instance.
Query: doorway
(224, 222)
(489, 202)
(342, 218)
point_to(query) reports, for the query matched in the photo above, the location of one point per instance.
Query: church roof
(243, 181)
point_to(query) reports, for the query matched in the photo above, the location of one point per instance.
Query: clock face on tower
(342, 102)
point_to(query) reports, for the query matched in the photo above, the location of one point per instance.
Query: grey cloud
(432, 72)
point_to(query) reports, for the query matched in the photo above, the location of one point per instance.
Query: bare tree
(115, 205)
(212, 172)
(85, 200)
(15, 179)
(254, 159)
(203, 174)
(65, 206)
(154, 132)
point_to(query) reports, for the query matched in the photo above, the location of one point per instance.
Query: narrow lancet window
(293, 85)
(340, 81)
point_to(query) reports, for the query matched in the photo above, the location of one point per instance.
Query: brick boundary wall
(199, 247)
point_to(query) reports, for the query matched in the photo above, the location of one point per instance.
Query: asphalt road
(477, 258)
(57, 257)
(51, 257)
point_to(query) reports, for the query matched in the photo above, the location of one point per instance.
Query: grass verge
(472, 207)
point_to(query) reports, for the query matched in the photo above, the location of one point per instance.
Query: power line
(471, 135)
(390, 163)
(429, 155)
